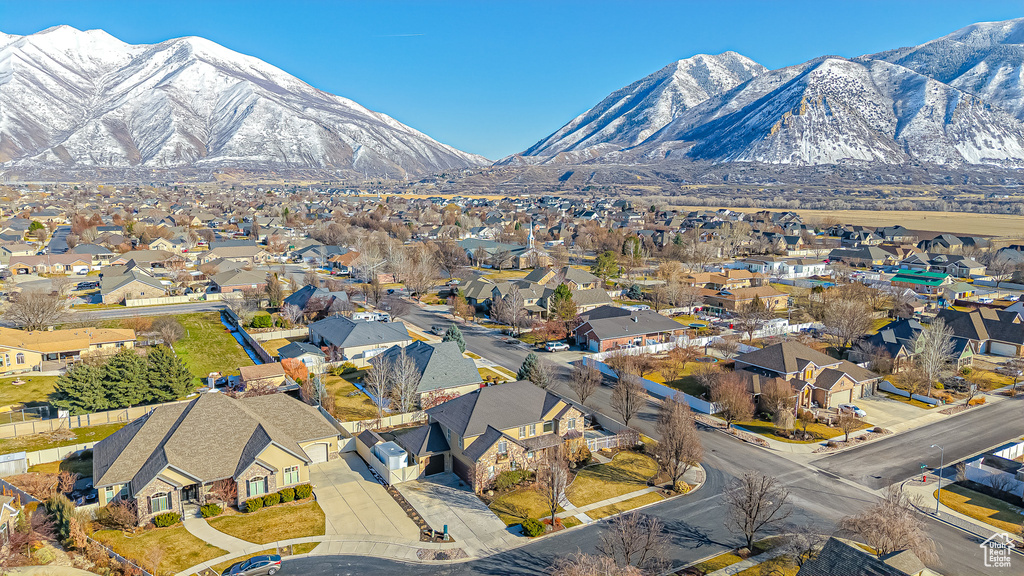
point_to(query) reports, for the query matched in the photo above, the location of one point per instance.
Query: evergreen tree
(455, 335)
(125, 379)
(562, 303)
(167, 376)
(606, 265)
(527, 367)
(81, 390)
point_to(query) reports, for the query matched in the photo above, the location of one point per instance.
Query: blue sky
(495, 77)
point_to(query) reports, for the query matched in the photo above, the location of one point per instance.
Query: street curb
(973, 522)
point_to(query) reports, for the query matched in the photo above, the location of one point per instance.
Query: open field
(952, 222)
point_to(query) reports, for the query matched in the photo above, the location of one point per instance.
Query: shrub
(272, 499)
(287, 495)
(976, 401)
(348, 368)
(681, 487)
(210, 510)
(303, 491)
(262, 321)
(532, 528)
(281, 323)
(166, 519)
(253, 504)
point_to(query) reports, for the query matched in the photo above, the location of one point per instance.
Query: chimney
(635, 318)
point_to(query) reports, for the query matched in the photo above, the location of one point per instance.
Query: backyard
(208, 345)
(349, 402)
(281, 522)
(62, 437)
(172, 549)
(34, 390)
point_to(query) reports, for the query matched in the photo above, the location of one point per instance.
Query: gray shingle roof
(984, 324)
(502, 406)
(441, 365)
(423, 440)
(209, 438)
(842, 558)
(635, 324)
(786, 358)
(345, 333)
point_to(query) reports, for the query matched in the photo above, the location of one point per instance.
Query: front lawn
(627, 472)
(208, 345)
(998, 513)
(218, 568)
(281, 522)
(175, 548)
(819, 431)
(35, 390)
(349, 402)
(635, 502)
(517, 506)
(35, 442)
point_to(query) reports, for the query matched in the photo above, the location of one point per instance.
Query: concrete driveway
(886, 412)
(355, 504)
(441, 501)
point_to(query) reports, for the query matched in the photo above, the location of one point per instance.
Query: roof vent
(636, 318)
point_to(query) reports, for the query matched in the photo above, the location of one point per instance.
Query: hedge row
(300, 492)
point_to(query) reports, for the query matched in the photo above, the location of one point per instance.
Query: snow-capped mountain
(632, 114)
(953, 101)
(84, 99)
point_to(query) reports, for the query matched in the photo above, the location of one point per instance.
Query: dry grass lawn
(280, 522)
(349, 402)
(635, 502)
(994, 511)
(42, 441)
(175, 548)
(627, 472)
(517, 506)
(34, 390)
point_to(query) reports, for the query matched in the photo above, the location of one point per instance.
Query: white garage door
(317, 452)
(1000, 349)
(840, 398)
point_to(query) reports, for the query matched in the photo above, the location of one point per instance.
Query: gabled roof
(209, 438)
(303, 295)
(633, 323)
(345, 333)
(844, 558)
(296, 349)
(502, 406)
(896, 335)
(52, 341)
(441, 365)
(984, 324)
(239, 278)
(787, 358)
(423, 440)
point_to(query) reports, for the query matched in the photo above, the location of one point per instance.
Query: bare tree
(777, 396)
(170, 329)
(451, 258)
(584, 380)
(274, 291)
(679, 448)
(756, 502)
(311, 278)
(373, 290)
(635, 539)
(733, 400)
(404, 382)
(376, 383)
(552, 478)
(398, 307)
(291, 313)
(803, 541)
(628, 396)
(420, 277)
(727, 346)
(36, 310)
(847, 320)
(934, 350)
(252, 298)
(847, 422)
(512, 310)
(580, 564)
(750, 315)
(891, 525)
(61, 285)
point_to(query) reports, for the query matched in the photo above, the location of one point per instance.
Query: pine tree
(81, 390)
(562, 303)
(455, 335)
(167, 375)
(125, 379)
(527, 367)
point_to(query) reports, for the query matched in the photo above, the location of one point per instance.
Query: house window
(533, 429)
(159, 502)
(291, 475)
(257, 486)
(529, 455)
(462, 443)
(20, 358)
(549, 426)
(490, 471)
(522, 431)
(124, 492)
(571, 424)
(503, 447)
(109, 493)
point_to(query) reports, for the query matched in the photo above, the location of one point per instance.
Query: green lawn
(349, 402)
(208, 346)
(42, 441)
(281, 522)
(994, 511)
(625, 505)
(527, 502)
(627, 472)
(36, 390)
(176, 548)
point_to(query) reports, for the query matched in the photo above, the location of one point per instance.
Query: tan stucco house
(24, 350)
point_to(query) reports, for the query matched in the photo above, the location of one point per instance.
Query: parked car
(256, 566)
(556, 346)
(852, 409)
(391, 290)
(438, 329)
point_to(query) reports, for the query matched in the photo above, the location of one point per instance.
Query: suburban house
(490, 430)
(952, 264)
(442, 367)
(785, 267)
(131, 283)
(840, 557)
(304, 295)
(270, 374)
(238, 281)
(170, 459)
(248, 254)
(921, 282)
(817, 379)
(990, 331)
(574, 278)
(22, 350)
(500, 255)
(149, 258)
(896, 339)
(358, 340)
(864, 256)
(734, 299)
(17, 249)
(50, 264)
(609, 328)
(306, 353)
(99, 255)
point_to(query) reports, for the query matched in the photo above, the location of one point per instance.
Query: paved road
(899, 457)
(59, 241)
(104, 314)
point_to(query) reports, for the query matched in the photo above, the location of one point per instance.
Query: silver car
(267, 565)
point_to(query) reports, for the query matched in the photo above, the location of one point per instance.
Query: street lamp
(942, 462)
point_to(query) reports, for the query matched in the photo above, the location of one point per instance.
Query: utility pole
(942, 463)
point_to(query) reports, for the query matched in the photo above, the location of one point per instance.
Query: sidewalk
(201, 529)
(925, 493)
